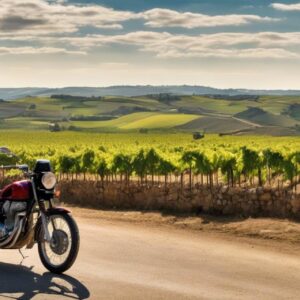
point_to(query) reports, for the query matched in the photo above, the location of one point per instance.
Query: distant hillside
(215, 124)
(274, 115)
(293, 111)
(259, 116)
(129, 91)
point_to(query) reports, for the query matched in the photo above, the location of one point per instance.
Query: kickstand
(23, 256)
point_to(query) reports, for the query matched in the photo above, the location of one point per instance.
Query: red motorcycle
(28, 216)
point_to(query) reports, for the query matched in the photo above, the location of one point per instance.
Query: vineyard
(151, 159)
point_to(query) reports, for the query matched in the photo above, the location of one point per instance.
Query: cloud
(33, 50)
(56, 17)
(278, 45)
(286, 7)
(14, 23)
(138, 38)
(46, 27)
(158, 17)
(224, 45)
(41, 17)
(256, 53)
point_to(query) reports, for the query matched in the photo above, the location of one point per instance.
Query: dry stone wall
(221, 200)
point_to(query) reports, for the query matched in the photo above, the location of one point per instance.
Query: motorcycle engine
(9, 211)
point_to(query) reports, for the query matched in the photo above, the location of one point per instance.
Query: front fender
(57, 210)
(50, 212)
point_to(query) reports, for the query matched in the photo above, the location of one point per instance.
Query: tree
(291, 167)
(123, 164)
(202, 165)
(214, 166)
(144, 130)
(152, 163)
(296, 162)
(228, 166)
(87, 161)
(102, 169)
(188, 158)
(77, 169)
(165, 168)
(7, 160)
(140, 164)
(66, 164)
(252, 162)
(54, 127)
(32, 106)
(273, 161)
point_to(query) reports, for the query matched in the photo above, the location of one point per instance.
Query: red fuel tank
(17, 191)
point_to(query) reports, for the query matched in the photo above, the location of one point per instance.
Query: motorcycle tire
(74, 248)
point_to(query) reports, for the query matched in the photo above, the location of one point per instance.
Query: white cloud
(224, 45)
(133, 38)
(158, 17)
(257, 53)
(32, 50)
(163, 44)
(286, 7)
(41, 17)
(50, 27)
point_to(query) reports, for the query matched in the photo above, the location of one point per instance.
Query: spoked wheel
(60, 253)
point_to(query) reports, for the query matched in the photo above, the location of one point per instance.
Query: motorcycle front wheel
(60, 253)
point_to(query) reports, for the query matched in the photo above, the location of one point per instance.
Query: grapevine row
(227, 165)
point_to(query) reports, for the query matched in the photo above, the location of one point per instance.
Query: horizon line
(152, 85)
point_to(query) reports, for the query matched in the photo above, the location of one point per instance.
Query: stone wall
(220, 200)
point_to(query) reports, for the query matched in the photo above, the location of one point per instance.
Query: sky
(220, 43)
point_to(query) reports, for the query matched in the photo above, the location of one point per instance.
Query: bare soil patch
(280, 230)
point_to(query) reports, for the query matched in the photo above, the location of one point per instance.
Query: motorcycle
(28, 216)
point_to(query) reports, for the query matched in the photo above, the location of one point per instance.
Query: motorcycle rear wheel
(60, 253)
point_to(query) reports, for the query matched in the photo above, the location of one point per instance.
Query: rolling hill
(293, 111)
(239, 114)
(262, 117)
(130, 91)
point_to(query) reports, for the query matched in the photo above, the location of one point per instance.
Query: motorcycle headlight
(49, 180)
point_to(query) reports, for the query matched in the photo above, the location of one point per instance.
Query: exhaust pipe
(13, 238)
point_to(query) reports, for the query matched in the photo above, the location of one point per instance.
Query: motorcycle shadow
(21, 280)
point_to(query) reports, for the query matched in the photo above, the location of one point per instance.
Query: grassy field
(275, 115)
(160, 121)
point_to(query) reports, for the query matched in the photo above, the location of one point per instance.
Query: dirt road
(123, 261)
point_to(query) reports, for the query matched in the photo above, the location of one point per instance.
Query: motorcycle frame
(34, 227)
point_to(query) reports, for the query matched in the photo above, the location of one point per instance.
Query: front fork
(43, 215)
(44, 218)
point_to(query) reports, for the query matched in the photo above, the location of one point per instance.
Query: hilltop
(138, 90)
